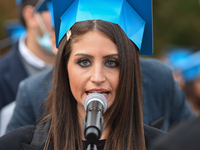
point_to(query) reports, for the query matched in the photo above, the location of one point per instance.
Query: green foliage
(176, 22)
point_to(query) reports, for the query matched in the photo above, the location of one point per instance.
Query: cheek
(76, 83)
(115, 79)
(114, 82)
(74, 80)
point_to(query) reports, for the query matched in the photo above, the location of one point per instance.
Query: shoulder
(152, 64)
(184, 136)
(155, 74)
(11, 54)
(42, 76)
(36, 80)
(11, 62)
(16, 137)
(152, 134)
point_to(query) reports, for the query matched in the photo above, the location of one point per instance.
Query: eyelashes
(112, 63)
(85, 62)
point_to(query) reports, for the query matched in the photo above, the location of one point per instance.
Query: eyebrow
(87, 55)
(82, 54)
(111, 55)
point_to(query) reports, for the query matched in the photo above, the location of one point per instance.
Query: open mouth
(100, 92)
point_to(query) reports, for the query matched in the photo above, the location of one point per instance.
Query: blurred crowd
(170, 85)
(185, 64)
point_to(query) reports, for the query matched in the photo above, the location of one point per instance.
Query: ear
(29, 17)
(53, 41)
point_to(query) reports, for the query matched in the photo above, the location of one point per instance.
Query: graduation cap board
(133, 16)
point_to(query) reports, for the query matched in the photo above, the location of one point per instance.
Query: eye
(112, 63)
(84, 62)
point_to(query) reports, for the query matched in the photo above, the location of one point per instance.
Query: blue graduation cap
(14, 29)
(189, 66)
(134, 17)
(18, 2)
(176, 55)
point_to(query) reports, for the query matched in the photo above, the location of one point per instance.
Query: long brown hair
(124, 117)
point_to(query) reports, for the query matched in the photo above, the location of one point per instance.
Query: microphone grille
(96, 97)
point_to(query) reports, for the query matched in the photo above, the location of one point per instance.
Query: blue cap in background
(14, 29)
(176, 55)
(18, 2)
(134, 17)
(189, 66)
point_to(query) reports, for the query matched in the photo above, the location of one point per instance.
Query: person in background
(183, 137)
(186, 70)
(189, 69)
(7, 111)
(173, 53)
(30, 55)
(83, 66)
(163, 102)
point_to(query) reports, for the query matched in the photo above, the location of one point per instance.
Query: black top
(100, 144)
(21, 139)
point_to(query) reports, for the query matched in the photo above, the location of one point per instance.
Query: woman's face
(93, 67)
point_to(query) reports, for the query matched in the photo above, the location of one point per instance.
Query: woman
(85, 65)
(94, 56)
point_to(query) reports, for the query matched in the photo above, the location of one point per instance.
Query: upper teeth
(103, 93)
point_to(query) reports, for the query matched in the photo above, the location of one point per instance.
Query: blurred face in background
(192, 92)
(44, 22)
(196, 85)
(179, 78)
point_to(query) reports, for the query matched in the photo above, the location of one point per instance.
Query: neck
(33, 46)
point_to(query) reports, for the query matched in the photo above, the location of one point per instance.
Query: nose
(98, 75)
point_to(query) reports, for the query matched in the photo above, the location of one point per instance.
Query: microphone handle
(91, 147)
(93, 122)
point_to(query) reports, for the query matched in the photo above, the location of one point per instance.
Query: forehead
(93, 40)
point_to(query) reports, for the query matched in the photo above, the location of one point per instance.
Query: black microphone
(95, 105)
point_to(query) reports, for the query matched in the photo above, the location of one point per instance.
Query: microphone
(95, 105)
